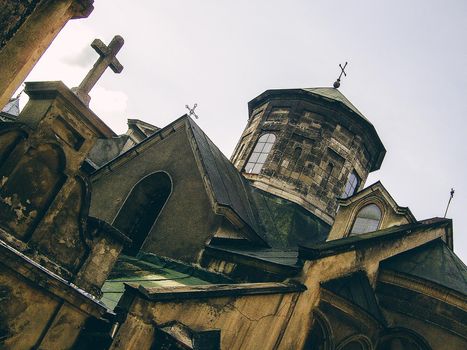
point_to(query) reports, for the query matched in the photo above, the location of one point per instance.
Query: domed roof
(335, 94)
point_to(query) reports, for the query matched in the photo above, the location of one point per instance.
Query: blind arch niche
(142, 207)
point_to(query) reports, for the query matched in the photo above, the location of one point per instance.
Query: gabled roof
(12, 107)
(356, 289)
(434, 262)
(146, 129)
(229, 188)
(386, 195)
(267, 221)
(320, 250)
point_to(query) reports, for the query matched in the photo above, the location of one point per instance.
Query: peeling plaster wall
(25, 313)
(247, 322)
(343, 264)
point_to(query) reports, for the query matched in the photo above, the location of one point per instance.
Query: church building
(154, 239)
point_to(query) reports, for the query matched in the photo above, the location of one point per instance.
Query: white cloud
(111, 107)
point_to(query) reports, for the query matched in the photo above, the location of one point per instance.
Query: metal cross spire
(337, 83)
(192, 110)
(449, 202)
(107, 59)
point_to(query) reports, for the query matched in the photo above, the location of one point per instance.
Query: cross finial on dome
(337, 83)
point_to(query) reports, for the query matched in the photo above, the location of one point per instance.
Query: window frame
(355, 218)
(344, 194)
(257, 165)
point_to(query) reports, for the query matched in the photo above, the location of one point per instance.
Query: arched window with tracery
(319, 338)
(260, 153)
(367, 220)
(142, 208)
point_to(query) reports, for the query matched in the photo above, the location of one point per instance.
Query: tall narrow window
(260, 153)
(297, 153)
(352, 185)
(142, 208)
(327, 175)
(367, 220)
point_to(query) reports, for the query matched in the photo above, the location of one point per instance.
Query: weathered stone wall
(338, 265)
(31, 316)
(188, 211)
(27, 28)
(276, 321)
(247, 322)
(12, 16)
(316, 148)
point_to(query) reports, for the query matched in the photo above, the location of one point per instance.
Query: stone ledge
(212, 291)
(43, 278)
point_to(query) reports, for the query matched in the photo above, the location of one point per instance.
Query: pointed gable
(433, 262)
(230, 190)
(374, 195)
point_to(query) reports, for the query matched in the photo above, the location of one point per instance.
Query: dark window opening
(327, 174)
(142, 208)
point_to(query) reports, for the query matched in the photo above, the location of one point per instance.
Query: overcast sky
(406, 73)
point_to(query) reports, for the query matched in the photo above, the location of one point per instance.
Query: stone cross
(337, 83)
(107, 59)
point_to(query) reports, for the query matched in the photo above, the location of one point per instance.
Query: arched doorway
(142, 208)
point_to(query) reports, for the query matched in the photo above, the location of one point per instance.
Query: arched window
(353, 181)
(260, 153)
(367, 220)
(141, 209)
(297, 153)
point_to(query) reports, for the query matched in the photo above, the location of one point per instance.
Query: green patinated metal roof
(149, 270)
(286, 224)
(335, 94)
